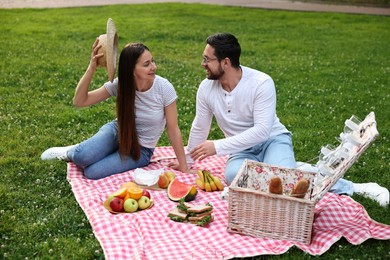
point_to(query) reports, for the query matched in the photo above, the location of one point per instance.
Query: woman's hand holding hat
(95, 56)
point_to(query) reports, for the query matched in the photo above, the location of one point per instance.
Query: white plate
(148, 178)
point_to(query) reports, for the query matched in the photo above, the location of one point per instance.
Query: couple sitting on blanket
(243, 101)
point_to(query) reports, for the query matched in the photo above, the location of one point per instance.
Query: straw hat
(109, 42)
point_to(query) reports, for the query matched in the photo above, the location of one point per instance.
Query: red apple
(146, 193)
(116, 204)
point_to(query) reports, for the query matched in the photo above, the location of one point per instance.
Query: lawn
(326, 67)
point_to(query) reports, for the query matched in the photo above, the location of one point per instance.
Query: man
(243, 101)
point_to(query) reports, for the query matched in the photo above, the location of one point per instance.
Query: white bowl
(148, 178)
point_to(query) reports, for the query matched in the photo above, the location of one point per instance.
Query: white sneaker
(60, 153)
(225, 193)
(373, 191)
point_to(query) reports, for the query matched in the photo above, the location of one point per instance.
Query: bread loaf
(275, 186)
(300, 188)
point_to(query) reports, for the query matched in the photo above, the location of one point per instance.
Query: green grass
(326, 67)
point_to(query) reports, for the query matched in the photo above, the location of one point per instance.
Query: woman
(145, 105)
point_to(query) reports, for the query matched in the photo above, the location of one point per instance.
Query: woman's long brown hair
(125, 102)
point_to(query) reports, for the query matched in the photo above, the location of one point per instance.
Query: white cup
(324, 169)
(353, 139)
(352, 124)
(326, 152)
(348, 147)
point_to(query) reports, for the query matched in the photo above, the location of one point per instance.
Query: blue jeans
(342, 186)
(277, 150)
(99, 157)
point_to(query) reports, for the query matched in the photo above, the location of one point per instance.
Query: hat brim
(111, 49)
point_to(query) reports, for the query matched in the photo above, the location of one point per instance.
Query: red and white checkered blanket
(150, 234)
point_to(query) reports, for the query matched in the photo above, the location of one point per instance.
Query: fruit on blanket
(116, 204)
(109, 198)
(144, 202)
(146, 193)
(127, 196)
(177, 190)
(130, 201)
(129, 185)
(121, 193)
(208, 182)
(201, 175)
(218, 182)
(171, 176)
(163, 181)
(200, 183)
(130, 205)
(135, 192)
(207, 186)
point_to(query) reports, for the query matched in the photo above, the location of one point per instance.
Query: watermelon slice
(177, 190)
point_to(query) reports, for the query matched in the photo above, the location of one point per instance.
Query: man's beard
(215, 76)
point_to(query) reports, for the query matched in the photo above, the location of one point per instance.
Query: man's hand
(203, 150)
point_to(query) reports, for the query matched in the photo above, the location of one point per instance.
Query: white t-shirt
(246, 115)
(149, 109)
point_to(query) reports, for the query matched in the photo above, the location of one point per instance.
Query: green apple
(131, 205)
(110, 197)
(144, 202)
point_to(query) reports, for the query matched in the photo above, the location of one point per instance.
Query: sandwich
(195, 214)
(184, 206)
(200, 214)
(177, 216)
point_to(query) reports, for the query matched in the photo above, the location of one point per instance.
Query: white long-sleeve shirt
(246, 115)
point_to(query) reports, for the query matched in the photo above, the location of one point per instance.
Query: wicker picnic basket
(253, 211)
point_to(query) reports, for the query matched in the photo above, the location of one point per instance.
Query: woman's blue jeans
(99, 157)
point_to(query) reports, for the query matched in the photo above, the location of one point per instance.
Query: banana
(218, 183)
(200, 183)
(207, 187)
(210, 180)
(207, 183)
(212, 184)
(201, 175)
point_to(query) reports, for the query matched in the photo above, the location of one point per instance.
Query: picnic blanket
(150, 234)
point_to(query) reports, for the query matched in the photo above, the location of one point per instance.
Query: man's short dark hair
(225, 45)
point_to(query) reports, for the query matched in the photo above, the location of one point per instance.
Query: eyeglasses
(207, 60)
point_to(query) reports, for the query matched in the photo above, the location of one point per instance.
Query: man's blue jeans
(277, 150)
